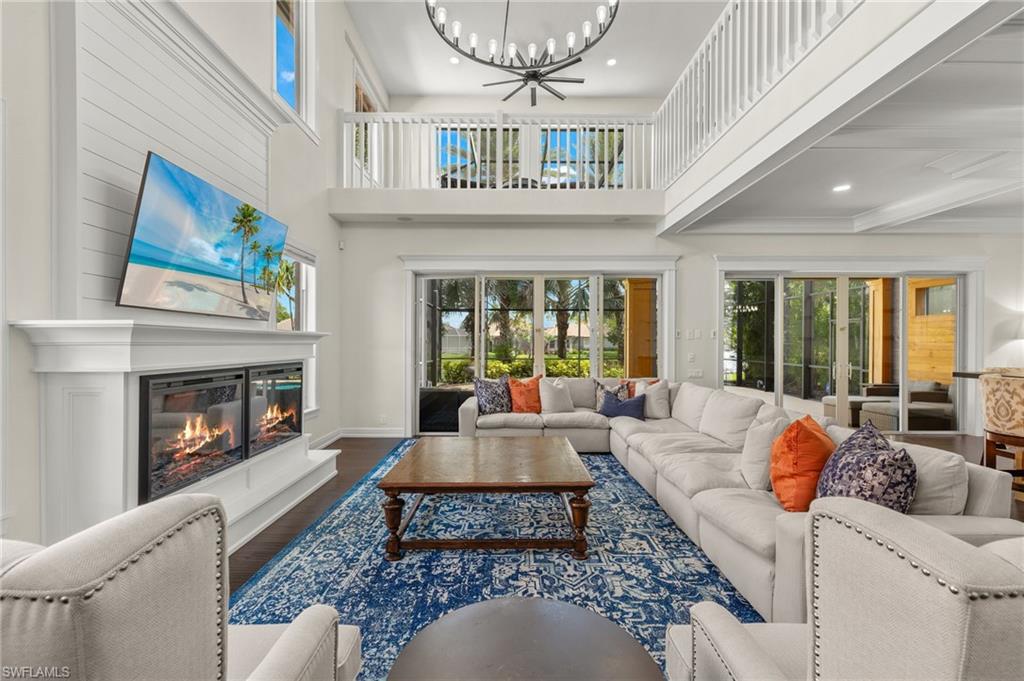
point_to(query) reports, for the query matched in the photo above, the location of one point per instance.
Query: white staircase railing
(495, 151)
(752, 46)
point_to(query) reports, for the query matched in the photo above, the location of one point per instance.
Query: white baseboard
(324, 440)
(395, 431)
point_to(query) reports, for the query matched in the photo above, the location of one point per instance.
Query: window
(295, 308)
(567, 327)
(748, 332)
(468, 157)
(294, 62)
(574, 157)
(936, 300)
(508, 313)
(629, 323)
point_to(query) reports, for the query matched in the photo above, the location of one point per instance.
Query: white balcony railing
(495, 151)
(752, 46)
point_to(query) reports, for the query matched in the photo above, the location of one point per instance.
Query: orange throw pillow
(525, 395)
(798, 455)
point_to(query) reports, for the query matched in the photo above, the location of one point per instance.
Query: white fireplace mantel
(89, 435)
(127, 346)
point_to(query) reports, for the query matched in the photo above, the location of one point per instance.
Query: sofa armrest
(789, 594)
(306, 651)
(881, 390)
(989, 492)
(468, 413)
(939, 396)
(723, 650)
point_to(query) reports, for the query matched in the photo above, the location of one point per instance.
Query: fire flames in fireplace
(199, 437)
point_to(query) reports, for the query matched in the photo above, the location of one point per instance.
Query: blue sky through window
(285, 60)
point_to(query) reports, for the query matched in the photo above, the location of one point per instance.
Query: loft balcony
(487, 166)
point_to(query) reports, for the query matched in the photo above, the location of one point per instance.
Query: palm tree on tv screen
(286, 285)
(267, 274)
(247, 223)
(254, 248)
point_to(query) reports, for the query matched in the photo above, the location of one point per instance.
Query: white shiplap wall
(131, 78)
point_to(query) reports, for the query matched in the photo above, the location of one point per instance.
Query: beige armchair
(891, 598)
(144, 596)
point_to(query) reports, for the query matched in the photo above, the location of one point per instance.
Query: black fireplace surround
(195, 424)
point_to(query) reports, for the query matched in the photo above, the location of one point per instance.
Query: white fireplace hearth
(89, 440)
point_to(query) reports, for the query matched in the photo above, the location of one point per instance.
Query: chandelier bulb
(551, 45)
(512, 49)
(472, 44)
(456, 31)
(602, 16)
(587, 26)
(442, 15)
(431, 3)
(531, 50)
(570, 41)
(492, 47)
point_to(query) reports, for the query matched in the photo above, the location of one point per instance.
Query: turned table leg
(393, 517)
(580, 507)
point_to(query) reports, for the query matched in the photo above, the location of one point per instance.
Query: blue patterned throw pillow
(620, 392)
(866, 466)
(493, 397)
(614, 406)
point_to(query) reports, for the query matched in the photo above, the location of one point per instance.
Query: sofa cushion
(525, 395)
(492, 397)
(769, 412)
(627, 427)
(555, 396)
(1010, 550)
(657, 405)
(685, 441)
(693, 477)
(941, 477)
(633, 407)
(583, 391)
(727, 417)
(975, 529)
(798, 455)
(866, 466)
(756, 459)
(250, 643)
(509, 420)
(689, 404)
(723, 461)
(579, 418)
(745, 515)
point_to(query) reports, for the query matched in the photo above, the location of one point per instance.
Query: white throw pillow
(756, 458)
(656, 406)
(555, 397)
(689, 404)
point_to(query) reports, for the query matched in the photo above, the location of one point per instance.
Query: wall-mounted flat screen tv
(196, 248)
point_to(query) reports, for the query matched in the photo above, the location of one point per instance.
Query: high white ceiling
(944, 152)
(651, 42)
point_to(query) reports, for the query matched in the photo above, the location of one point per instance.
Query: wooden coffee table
(524, 638)
(488, 465)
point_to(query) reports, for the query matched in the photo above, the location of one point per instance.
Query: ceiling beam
(981, 138)
(964, 193)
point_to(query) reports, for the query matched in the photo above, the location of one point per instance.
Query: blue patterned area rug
(643, 572)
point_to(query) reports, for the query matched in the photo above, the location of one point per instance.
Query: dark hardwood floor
(358, 456)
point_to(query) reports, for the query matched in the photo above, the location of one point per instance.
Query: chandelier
(534, 68)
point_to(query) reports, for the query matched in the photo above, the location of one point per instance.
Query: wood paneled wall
(931, 339)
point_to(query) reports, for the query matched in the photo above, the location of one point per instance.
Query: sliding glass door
(854, 348)
(509, 331)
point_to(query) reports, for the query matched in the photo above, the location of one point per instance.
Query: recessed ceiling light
(611, 62)
(453, 60)
(841, 188)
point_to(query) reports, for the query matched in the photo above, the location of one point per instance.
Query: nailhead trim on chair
(149, 549)
(816, 621)
(693, 668)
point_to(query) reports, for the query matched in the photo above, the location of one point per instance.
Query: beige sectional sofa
(708, 467)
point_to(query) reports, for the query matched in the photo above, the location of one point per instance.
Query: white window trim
(664, 267)
(303, 254)
(305, 119)
(359, 78)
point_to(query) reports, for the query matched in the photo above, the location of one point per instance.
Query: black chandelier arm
(503, 82)
(568, 60)
(555, 69)
(550, 89)
(557, 79)
(514, 92)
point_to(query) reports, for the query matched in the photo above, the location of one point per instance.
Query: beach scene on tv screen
(199, 249)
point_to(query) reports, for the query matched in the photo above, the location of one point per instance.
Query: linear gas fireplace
(193, 425)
